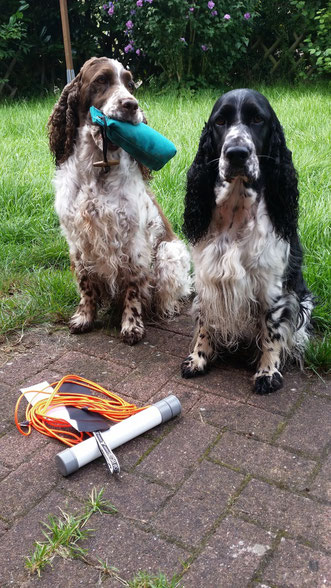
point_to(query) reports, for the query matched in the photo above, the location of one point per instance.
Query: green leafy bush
(183, 40)
(13, 39)
(318, 42)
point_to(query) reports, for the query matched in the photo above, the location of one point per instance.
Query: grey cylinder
(71, 459)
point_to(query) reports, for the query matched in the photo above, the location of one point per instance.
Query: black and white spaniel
(122, 248)
(241, 217)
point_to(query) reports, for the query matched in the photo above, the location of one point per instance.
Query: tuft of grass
(146, 580)
(63, 533)
(140, 580)
(318, 355)
(35, 281)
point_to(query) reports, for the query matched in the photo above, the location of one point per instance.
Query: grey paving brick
(227, 382)
(26, 485)
(132, 356)
(262, 459)
(3, 472)
(130, 453)
(320, 386)
(65, 573)
(17, 543)
(282, 510)
(309, 428)
(297, 566)
(133, 496)
(187, 396)
(237, 416)
(195, 508)
(178, 452)
(106, 373)
(130, 549)
(230, 558)
(98, 343)
(8, 398)
(46, 335)
(158, 338)
(148, 378)
(283, 400)
(180, 345)
(182, 324)
(3, 528)
(21, 365)
(16, 448)
(321, 486)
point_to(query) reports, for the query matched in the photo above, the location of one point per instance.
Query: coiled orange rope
(113, 408)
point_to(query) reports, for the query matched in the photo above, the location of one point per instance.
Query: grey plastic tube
(73, 458)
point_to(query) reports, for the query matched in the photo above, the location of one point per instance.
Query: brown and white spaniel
(122, 247)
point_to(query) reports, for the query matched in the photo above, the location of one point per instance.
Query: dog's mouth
(241, 173)
(247, 172)
(134, 117)
(232, 172)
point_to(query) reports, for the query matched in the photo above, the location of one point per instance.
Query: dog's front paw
(80, 323)
(194, 365)
(267, 384)
(133, 335)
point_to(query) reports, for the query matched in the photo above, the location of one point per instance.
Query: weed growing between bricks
(65, 531)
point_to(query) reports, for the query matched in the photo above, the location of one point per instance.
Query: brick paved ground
(234, 493)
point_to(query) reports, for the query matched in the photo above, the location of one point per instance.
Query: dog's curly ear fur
(63, 122)
(281, 192)
(200, 195)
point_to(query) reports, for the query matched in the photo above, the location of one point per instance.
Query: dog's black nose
(130, 104)
(237, 155)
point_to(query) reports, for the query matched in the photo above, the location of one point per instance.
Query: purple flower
(204, 47)
(227, 16)
(111, 10)
(214, 13)
(182, 39)
(211, 4)
(139, 2)
(128, 48)
(247, 15)
(105, 6)
(129, 24)
(191, 9)
(132, 12)
(149, 1)
(138, 52)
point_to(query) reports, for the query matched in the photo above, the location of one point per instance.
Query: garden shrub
(183, 40)
(13, 39)
(281, 20)
(318, 41)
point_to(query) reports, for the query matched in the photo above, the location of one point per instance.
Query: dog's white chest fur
(110, 220)
(240, 263)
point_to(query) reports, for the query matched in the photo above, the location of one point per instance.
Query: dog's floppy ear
(281, 182)
(64, 120)
(200, 195)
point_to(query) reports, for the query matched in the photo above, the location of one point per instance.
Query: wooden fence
(276, 54)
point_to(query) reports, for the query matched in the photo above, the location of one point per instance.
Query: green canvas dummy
(142, 142)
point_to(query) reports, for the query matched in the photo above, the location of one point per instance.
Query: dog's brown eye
(131, 86)
(220, 121)
(101, 80)
(257, 119)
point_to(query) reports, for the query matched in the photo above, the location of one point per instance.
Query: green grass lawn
(36, 284)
